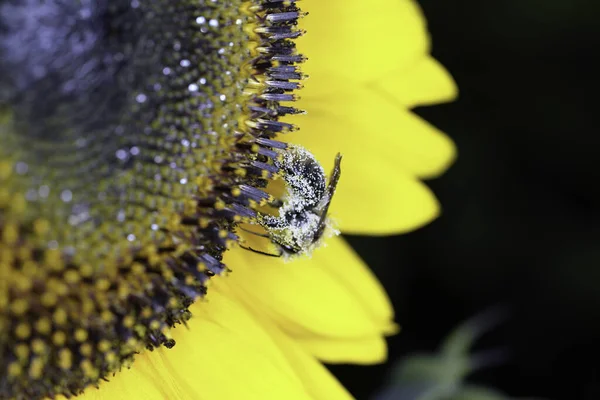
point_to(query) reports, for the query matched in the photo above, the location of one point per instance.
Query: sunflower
(133, 151)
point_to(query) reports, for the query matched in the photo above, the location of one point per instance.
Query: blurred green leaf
(441, 375)
(478, 393)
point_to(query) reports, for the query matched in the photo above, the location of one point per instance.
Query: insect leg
(333, 181)
(263, 235)
(264, 253)
(335, 175)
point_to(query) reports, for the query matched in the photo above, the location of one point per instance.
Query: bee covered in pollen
(302, 221)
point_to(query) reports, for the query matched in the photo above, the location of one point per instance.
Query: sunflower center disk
(135, 137)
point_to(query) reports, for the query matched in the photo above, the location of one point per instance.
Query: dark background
(520, 224)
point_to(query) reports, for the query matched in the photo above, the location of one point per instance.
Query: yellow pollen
(60, 316)
(219, 205)
(154, 325)
(102, 284)
(86, 270)
(43, 326)
(104, 346)
(38, 346)
(65, 359)
(107, 316)
(14, 369)
(88, 369)
(6, 168)
(81, 335)
(71, 276)
(111, 358)
(132, 343)
(53, 259)
(10, 234)
(146, 312)
(36, 368)
(23, 330)
(22, 351)
(19, 306)
(128, 321)
(59, 338)
(48, 299)
(86, 349)
(41, 226)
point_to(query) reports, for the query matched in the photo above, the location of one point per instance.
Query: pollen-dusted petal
(304, 298)
(364, 351)
(363, 124)
(362, 40)
(424, 83)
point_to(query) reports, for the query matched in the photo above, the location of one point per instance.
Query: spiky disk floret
(132, 146)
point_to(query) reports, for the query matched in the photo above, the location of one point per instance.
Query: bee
(302, 220)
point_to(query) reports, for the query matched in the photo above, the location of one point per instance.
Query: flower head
(141, 140)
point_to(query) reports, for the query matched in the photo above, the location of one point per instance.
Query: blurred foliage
(442, 375)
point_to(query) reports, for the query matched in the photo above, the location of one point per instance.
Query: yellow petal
(427, 82)
(344, 265)
(228, 348)
(362, 40)
(225, 354)
(142, 381)
(355, 351)
(363, 125)
(317, 380)
(305, 298)
(378, 199)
